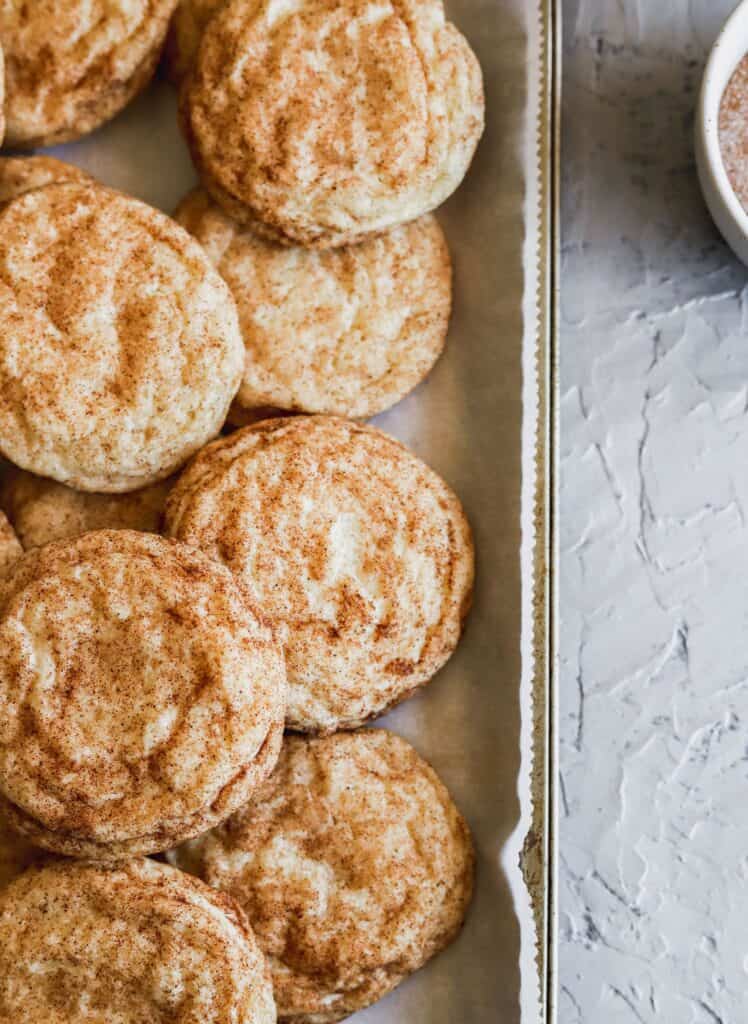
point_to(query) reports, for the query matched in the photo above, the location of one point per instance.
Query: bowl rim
(717, 75)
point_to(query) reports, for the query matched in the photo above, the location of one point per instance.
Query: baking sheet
(467, 422)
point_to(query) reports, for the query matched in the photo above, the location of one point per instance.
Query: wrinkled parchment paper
(466, 422)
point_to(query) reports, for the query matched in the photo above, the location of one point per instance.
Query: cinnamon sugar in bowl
(721, 132)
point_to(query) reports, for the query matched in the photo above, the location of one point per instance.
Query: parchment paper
(466, 422)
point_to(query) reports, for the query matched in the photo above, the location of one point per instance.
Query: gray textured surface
(654, 545)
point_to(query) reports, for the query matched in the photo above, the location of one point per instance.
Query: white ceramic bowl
(725, 207)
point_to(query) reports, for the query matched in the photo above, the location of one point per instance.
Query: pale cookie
(141, 696)
(139, 944)
(10, 546)
(357, 551)
(120, 348)
(22, 174)
(326, 120)
(71, 65)
(354, 866)
(185, 32)
(345, 331)
(42, 510)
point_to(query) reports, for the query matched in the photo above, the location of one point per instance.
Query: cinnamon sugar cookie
(323, 121)
(120, 349)
(42, 510)
(357, 551)
(344, 331)
(24, 173)
(83, 944)
(185, 32)
(141, 696)
(354, 866)
(71, 65)
(10, 546)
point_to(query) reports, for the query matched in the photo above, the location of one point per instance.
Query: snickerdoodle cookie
(185, 32)
(84, 944)
(326, 120)
(120, 348)
(71, 65)
(24, 173)
(357, 551)
(10, 546)
(345, 331)
(42, 510)
(141, 696)
(354, 866)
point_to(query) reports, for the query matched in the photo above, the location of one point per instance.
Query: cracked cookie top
(141, 696)
(120, 349)
(85, 944)
(70, 65)
(358, 552)
(348, 331)
(322, 121)
(353, 864)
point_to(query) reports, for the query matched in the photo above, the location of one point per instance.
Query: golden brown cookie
(10, 546)
(84, 944)
(141, 696)
(120, 348)
(71, 65)
(42, 510)
(185, 32)
(354, 866)
(22, 174)
(346, 331)
(324, 121)
(357, 551)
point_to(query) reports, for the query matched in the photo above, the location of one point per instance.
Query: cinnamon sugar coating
(359, 553)
(354, 866)
(346, 331)
(83, 944)
(71, 65)
(322, 121)
(42, 510)
(141, 696)
(20, 174)
(120, 349)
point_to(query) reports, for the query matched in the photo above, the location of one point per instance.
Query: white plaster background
(653, 889)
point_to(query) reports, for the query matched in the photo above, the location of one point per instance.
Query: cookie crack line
(61, 84)
(92, 767)
(93, 399)
(348, 198)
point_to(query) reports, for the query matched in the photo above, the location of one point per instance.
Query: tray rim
(538, 859)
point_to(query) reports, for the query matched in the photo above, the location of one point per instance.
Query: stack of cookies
(213, 572)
